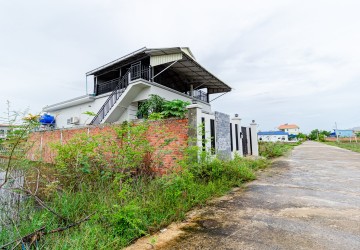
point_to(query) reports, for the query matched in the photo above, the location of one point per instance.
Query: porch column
(191, 90)
(194, 120)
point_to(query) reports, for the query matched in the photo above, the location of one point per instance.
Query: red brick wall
(175, 131)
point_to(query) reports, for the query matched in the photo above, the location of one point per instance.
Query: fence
(221, 135)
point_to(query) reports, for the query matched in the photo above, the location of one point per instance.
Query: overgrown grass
(353, 146)
(126, 209)
(275, 149)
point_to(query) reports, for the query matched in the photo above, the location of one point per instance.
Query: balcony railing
(107, 86)
(199, 94)
(120, 88)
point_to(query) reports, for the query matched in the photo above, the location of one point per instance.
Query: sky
(287, 61)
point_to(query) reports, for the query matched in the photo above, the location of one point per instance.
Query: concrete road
(308, 200)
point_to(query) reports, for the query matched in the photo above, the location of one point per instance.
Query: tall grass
(353, 146)
(275, 149)
(128, 210)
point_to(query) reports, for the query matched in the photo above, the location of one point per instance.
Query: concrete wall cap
(193, 106)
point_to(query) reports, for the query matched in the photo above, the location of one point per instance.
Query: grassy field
(353, 146)
(275, 149)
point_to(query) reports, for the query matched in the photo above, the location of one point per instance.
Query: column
(255, 145)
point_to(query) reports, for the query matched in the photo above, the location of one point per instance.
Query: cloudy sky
(287, 61)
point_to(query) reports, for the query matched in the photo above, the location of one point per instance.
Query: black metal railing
(108, 86)
(199, 94)
(122, 84)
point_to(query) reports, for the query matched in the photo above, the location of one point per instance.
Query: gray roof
(187, 66)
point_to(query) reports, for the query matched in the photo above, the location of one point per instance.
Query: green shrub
(126, 206)
(275, 149)
(156, 108)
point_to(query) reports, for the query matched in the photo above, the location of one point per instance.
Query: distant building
(4, 128)
(292, 129)
(273, 136)
(356, 129)
(344, 132)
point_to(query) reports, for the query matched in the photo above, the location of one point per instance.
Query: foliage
(81, 160)
(15, 146)
(156, 108)
(175, 108)
(275, 149)
(301, 136)
(89, 113)
(155, 104)
(149, 205)
(126, 205)
(156, 116)
(13, 164)
(318, 135)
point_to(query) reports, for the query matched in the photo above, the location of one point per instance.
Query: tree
(318, 135)
(301, 136)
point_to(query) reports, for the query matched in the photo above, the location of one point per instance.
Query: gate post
(254, 139)
(237, 140)
(194, 120)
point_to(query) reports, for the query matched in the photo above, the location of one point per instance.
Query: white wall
(126, 106)
(61, 115)
(292, 131)
(273, 138)
(167, 93)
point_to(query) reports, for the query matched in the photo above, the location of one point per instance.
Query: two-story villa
(121, 85)
(291, 129)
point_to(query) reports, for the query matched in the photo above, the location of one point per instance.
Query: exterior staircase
(135, 72)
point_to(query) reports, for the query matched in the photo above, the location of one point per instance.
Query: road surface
(308, 200)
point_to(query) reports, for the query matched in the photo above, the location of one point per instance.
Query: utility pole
(336, 132)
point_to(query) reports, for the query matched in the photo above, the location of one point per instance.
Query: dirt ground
(308, 200)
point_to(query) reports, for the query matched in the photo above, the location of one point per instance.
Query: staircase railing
(118, 91)
(113, 97)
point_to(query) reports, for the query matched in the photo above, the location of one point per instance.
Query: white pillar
(194, 117)
(236, 136)
(254, 140)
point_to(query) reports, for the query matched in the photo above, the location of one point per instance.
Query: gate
(244, 141)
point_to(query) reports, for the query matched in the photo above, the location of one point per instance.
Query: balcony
(145, 74)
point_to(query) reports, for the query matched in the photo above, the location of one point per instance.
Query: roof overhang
(186, 65)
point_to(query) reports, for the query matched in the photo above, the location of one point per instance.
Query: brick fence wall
(175, 131)
(343, 139)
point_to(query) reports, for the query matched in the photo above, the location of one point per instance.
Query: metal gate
(251, 152)
(244, 141)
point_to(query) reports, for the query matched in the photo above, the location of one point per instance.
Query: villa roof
(288, 126)
(181, 60)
